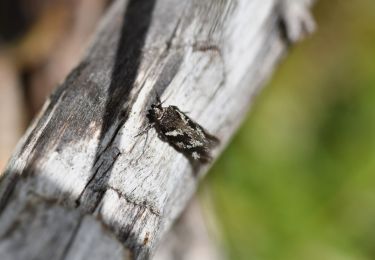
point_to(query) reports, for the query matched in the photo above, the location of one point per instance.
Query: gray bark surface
(81, 183)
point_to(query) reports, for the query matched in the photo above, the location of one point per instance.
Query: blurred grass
(298, 180)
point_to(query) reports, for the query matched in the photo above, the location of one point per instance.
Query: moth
(181, 132)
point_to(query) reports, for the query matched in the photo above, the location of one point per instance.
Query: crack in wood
(8, 184)
(126, 230)
(169, 42)
(97, 185)
(143, 204)
(71, 239)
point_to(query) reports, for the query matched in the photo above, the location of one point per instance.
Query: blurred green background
(297, 181)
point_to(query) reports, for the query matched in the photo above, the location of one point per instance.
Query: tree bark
(82, 184)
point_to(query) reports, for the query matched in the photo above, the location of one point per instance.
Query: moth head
(156, 111)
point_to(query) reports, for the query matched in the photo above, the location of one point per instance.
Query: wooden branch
(81, 185)
(189, 238)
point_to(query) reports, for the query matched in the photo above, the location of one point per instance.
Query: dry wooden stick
(81, 185)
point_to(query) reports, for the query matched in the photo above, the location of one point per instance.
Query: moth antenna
(158, 100)
(145, 130)
(144, 144)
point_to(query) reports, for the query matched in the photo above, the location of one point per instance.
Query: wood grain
(80, 182)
